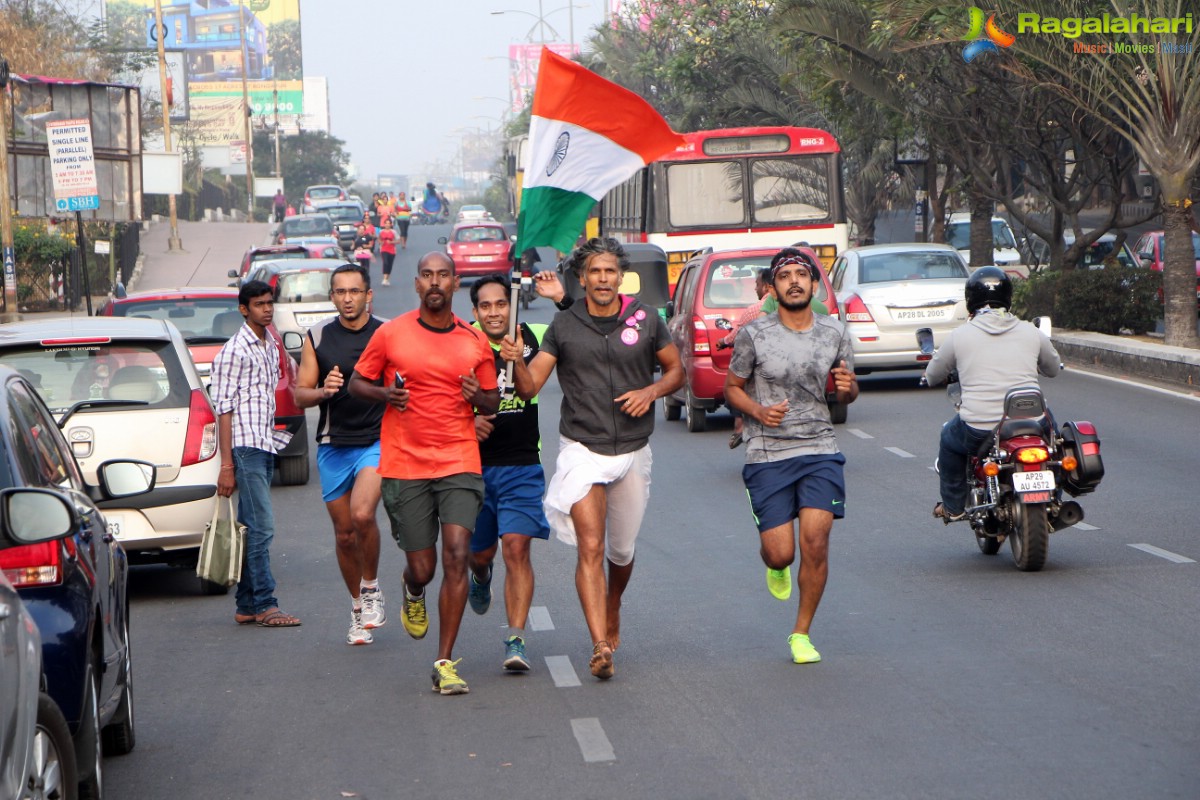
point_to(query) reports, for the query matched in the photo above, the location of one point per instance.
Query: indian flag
(586, 135)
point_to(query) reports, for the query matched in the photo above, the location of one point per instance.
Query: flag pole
(514, 303)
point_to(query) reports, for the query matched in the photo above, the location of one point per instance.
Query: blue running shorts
(512, 503)
(779, 489)
(339, 466)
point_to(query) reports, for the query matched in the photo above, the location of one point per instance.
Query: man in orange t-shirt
(434, 370)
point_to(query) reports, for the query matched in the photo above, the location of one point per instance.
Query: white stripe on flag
(592, 164)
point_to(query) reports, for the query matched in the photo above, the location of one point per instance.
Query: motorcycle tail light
(1033, 455)
(1069, 463)
(991, 469)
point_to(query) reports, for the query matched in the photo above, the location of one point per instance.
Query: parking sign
(72, 165)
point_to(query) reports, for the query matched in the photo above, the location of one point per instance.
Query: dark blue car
(74, 588)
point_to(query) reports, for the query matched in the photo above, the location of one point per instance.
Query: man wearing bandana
(793, 470)
(605, 349)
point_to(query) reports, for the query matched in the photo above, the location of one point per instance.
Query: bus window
(790, 190)
(705, 193)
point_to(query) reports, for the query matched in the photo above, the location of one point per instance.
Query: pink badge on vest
(629, 336)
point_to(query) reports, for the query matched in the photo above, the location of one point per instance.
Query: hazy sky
(403, 74)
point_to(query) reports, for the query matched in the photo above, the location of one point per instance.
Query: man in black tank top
(347, 442)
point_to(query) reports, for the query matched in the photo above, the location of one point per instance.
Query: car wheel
(696, 419)
(87, 742)
(293, 470)
(118, 736)
(52, 771)
(672, 409)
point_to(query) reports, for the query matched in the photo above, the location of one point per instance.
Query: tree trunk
(982, 253)
(1179, 275)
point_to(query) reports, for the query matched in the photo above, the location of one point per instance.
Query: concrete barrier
(1175, 365)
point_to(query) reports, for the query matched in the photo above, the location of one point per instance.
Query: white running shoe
(373, 614)
(358, 634)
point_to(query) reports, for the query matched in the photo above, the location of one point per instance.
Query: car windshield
(1094, 256)
(309, 286)
(199, 318)
(139, 372)
(958, 235)
(914, 266)
(480, 234)
(324, 193)
(307, 226)
(344, 213)
(268, 256)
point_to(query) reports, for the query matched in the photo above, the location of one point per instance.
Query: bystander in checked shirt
(244, 376)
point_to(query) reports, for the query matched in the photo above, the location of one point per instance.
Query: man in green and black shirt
(510, 450)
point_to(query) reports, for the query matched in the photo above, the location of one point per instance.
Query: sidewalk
(210, 250)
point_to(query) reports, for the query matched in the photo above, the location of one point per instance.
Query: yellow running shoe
(445, 678)
(802, 650)
(415, 620)
(779, 582)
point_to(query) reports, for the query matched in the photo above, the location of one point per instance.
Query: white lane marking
(539, 619)
(1172, 392)
(592, 741)
(562, 672)
(1083, 526)
(858, 433)
(899, 452)
(1167, 554)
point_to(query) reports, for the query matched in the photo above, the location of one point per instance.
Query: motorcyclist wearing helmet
(993, 353)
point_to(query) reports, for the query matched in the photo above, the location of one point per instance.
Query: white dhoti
(626, 479)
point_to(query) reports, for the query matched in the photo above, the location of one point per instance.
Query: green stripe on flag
(551, 217)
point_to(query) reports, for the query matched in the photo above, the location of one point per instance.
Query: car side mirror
(126, 478)
(292, 340)
(925, 341)
(1043, 325)
(233, 273)
(119, 290)
(32, 516)
(723, 324)
(670, 308)
(442, 240)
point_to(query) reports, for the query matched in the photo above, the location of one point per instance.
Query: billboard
(218, 40)
(523, 68)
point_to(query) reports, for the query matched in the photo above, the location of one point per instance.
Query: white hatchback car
(885, 292)
(1005, 253)
(126, 388)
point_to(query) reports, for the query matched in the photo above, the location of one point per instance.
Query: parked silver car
(886, 292)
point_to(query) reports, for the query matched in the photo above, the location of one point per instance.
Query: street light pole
(246, 116)
(174, 244)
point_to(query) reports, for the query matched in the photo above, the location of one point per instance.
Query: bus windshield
(786, 189)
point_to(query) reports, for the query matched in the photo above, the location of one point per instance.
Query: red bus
(735, 187)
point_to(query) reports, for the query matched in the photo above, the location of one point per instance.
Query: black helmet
(988, 286)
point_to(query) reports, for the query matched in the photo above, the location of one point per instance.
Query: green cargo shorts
(418, 508)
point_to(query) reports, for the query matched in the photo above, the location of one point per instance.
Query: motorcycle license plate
(1040, 481)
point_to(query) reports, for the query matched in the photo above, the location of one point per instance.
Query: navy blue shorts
(779, 489)
(512, 503)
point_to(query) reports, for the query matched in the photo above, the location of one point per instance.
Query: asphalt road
(946, 673)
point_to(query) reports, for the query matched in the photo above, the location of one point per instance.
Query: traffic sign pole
(6, 234)
(174, 243)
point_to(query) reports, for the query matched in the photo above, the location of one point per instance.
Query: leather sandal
(276, 619)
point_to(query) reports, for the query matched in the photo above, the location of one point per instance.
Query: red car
(1150, 250)
(274, 252)
(713, 290)
(478, 248)
(207, 317)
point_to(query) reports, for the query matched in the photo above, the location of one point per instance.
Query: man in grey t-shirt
(793, 467)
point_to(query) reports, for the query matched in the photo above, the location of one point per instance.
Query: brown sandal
(276, 619)
(601, 662)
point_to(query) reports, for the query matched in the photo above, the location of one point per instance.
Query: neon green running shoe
(415, 620)
(445, 678)
(779, 582)
(802, 650)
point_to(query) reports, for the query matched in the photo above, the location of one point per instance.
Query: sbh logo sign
(986, 37)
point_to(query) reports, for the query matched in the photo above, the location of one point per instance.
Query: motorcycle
(1018, 475)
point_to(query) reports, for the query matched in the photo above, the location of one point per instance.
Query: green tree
(307, 159)
(1151, 98)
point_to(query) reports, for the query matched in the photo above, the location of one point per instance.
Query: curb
(1178, 366)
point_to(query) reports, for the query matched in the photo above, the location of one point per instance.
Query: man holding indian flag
(586, 136)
